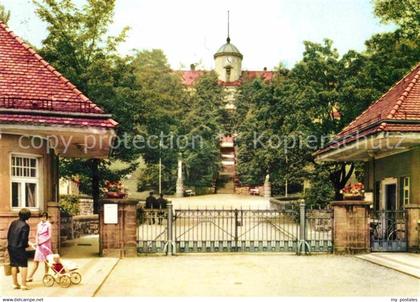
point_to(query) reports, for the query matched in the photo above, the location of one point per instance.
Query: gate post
(118, 227)
(169, 247)
(413, 227)
(303, 246)
(351, 226)
(236, 229)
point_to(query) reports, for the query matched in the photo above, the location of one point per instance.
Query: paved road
(256, 275)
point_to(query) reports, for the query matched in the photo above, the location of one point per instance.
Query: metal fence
(234, 230)
(152, 230)
(388, 231)
(319, 229)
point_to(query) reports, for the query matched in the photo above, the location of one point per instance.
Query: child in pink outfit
(43, 244)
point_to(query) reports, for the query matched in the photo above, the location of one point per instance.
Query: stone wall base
(76, 226)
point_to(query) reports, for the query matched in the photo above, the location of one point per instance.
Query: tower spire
(228, 36)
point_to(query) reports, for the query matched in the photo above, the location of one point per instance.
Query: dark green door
(390, 197)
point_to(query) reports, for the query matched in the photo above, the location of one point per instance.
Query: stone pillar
(351, 233)
(413, 225)
(85, 205)
(119, 239)
(267, 188)
(54, 218)
(179, 181)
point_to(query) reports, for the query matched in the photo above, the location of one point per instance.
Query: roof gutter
(351, 134)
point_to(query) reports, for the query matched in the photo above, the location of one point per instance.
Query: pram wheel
(75, 277)
(48, 280)
(64, 281)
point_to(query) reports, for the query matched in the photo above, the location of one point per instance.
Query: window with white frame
(24, 181)
(406, 190)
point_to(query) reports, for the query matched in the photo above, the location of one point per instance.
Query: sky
(267, 32)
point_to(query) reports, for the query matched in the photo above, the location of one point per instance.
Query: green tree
(317, 98)
(269, 138)
(164, 100)
(404, 13)
(202, 125)
(78, 46)
(4, 14)
(178, 120)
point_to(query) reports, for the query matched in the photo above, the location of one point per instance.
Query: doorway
(389, 194)
(390, 197)
(388, 224)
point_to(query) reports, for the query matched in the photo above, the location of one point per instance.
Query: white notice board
(110, 213)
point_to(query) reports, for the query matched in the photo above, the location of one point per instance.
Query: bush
(203, 190)
(321, 191)
(69, 205)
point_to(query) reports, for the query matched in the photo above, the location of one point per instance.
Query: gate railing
(234, 230)
(388, 230)
(319, 229)
(152, 230)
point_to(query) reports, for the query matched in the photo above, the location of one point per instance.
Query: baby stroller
(67, 276)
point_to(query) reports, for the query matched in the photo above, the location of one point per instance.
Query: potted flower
(114, 189)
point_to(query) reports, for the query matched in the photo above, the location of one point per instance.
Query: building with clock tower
(228, 62)
(228, 67)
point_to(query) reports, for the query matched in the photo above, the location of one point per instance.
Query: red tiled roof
(29, 83)
(189, 77)
(398, 110)
(230, 84)
(400, 102)
(226, 139)
(264, 74)
(401, 128)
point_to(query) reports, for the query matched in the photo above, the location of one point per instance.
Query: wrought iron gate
(318, 229)
(152, 230)
(388, 231)
(235, 230)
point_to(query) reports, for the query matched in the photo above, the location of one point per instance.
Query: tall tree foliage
(176, 121)
(268, 139)
(306, 105)
(4, 14)
(165, 103)
(319, 85)
(404, 13)
(202, 127)
(79, 47)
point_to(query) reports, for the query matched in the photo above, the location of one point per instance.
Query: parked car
(189, 192)
(254, 191)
